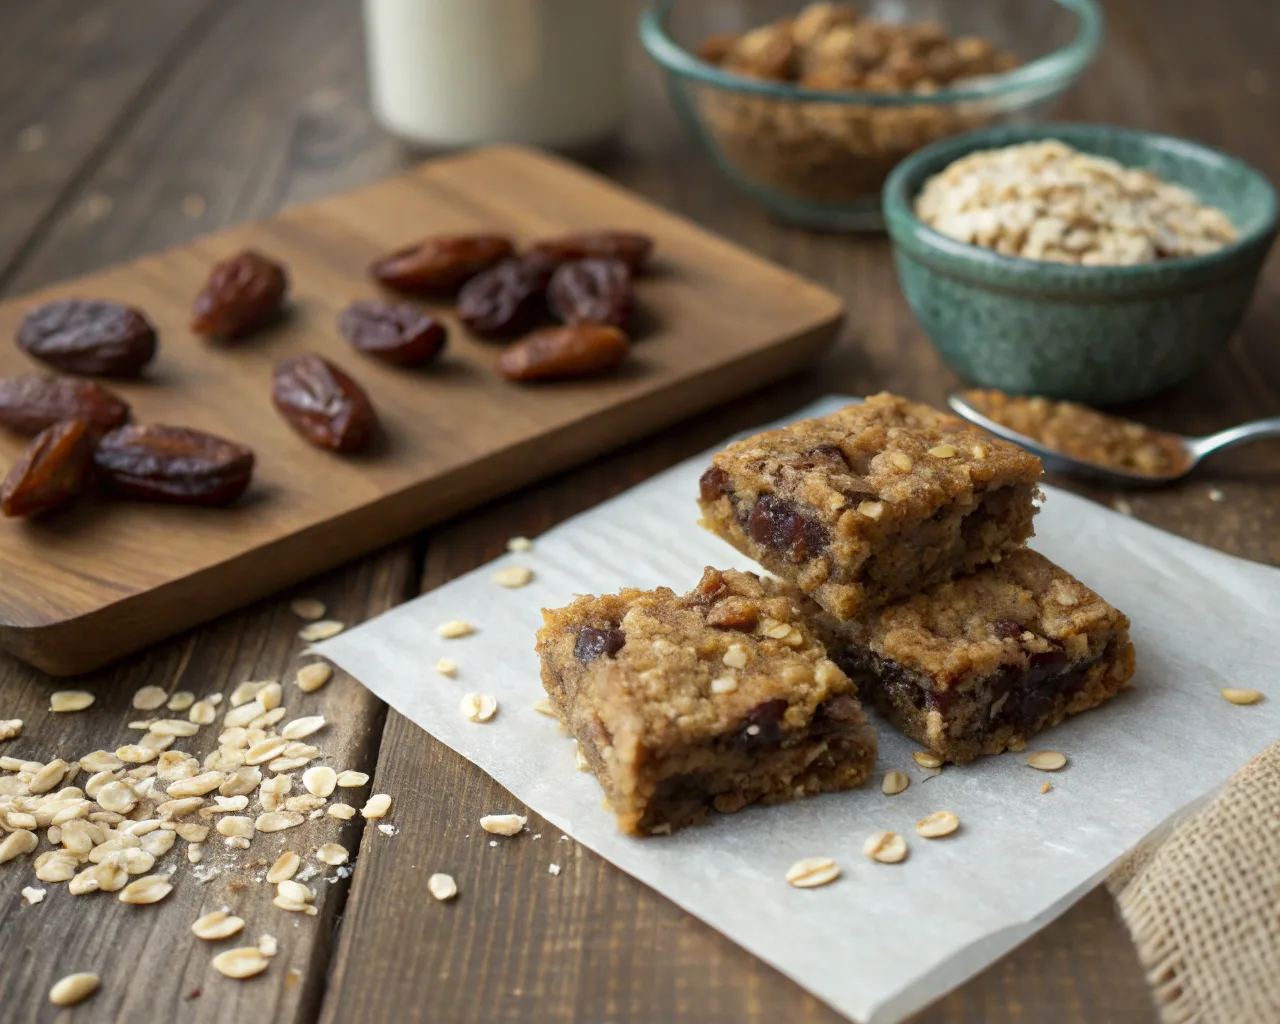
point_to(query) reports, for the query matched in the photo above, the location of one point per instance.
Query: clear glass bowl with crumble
(808, 108)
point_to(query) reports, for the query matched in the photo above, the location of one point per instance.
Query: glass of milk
(458, 72)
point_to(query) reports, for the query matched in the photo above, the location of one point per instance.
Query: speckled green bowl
(1100, 335)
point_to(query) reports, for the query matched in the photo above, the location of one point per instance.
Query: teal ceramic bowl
(818, 158)
(1100, 335)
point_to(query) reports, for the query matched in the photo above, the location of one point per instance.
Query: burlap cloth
(1203, 904)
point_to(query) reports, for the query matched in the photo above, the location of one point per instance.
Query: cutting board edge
(74, 644)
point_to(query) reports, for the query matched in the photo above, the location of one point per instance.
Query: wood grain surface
(265, 108)
(84, 590)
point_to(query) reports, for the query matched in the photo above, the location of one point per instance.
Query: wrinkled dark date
(154, 462)
(591, 292)
(440, 266)
(98, 339)
(30, 402)
(323, 404)
(778, 524)
(763, 724)
(1006, 629)
(506, 299)
(55, 467)
(631, 247)
(393, 331)
(596, 643)
(243, 295)
(713, 483)
(558, 353)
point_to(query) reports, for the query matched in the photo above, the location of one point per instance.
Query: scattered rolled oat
(1242, 696)
(503, 824)
(241, 962)
(333, 854)
(1046, 787)
(235, 825)
(1215, 494)
(268, 946)
(10, 728)
(202, 713)
(63, 701)
(343, 812)
(479, 707)
(579, 758)
(148, 889)
(301, 728)
(937, 825)
(322, 630)
(943, 451)
(454, 628)
(927, 759)
(886, 847)
(74, 988)
(442, 886)
(513, 577)
(894, 783)
(1047, 201)
(447, 667)
(812, 872)
(17, 843)
(149, 698)
(285, 867)
(377, 806)
(31, 895)
(181, 700)
(216, 925)
(307, 608)
(352, 779)
(1047, 760)
(320, 781)
(544, 707)
(277, 821)
(552, 869)
(313, 676)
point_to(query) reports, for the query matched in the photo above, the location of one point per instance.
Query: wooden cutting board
(92, 582)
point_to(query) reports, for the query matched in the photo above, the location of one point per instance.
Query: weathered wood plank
(72, 75)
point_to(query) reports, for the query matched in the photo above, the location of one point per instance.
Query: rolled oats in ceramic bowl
(1083, 262)
(808, 107)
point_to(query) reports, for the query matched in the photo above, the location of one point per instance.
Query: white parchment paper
(884, 940)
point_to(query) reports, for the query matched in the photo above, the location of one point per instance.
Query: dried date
(30, 402)
(441, 265)
(631, 247)
(595, 291)
(323, 404)
(154, 462)
(243, 294)
(506, 299)
(393, 331)
(580, 350)
(88, 336)
(55, 467)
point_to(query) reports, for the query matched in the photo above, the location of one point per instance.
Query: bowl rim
(1055, 68)
(905, 228)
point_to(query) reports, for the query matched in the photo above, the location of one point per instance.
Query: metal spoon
(1192, 448)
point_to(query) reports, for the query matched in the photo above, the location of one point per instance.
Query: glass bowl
(818, 158)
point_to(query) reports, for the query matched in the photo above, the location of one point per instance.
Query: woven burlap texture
(1203, 906)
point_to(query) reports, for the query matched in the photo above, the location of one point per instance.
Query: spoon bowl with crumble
(1075, 440)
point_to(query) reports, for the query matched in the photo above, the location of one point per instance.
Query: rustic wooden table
(130, 125)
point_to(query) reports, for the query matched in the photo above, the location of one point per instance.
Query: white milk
(454, 72)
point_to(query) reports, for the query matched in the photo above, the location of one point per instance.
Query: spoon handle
(1257, 430)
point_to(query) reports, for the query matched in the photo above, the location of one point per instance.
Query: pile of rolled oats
(840, 151)
(110, 831)
(1048, 201)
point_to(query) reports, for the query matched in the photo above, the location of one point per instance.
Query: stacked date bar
(979, 664)
(713, 700)
(871, 503)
